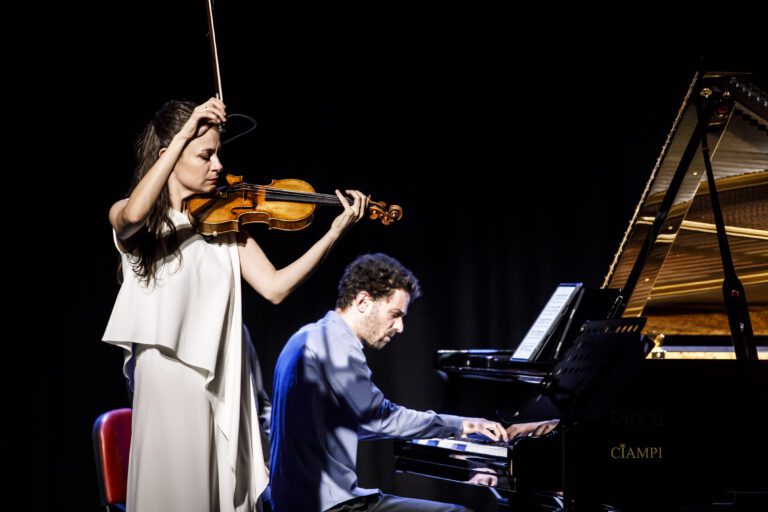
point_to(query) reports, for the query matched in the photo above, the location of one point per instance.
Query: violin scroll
(379, 210)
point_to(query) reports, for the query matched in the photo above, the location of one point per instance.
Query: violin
(287, 205)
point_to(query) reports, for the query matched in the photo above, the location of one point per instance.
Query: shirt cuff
(454, 422)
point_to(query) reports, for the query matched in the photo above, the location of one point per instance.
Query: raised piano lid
(679, 289)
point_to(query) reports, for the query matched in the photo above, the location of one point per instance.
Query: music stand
(584, 382)
(583, 385)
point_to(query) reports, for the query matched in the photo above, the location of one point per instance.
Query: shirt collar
(333, 318)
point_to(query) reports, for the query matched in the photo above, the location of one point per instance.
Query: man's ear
(362, 301)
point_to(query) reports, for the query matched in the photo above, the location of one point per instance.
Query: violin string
(276, 193)
(248, 186)
(282, 194)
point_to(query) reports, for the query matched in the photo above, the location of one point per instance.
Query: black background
(517, 149)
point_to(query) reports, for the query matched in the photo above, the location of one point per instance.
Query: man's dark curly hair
(379, 275)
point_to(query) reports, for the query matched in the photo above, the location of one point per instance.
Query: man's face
(384, 319)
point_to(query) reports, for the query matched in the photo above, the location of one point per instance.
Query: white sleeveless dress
(195, 443)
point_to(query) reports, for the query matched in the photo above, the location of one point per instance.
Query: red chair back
(111, 446)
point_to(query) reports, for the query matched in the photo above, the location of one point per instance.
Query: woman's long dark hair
(157, 238)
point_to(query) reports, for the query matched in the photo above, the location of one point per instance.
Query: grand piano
(683, 428)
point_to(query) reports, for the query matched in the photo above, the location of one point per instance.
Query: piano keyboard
(459, 445)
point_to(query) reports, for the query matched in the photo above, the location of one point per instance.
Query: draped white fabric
(192, 315)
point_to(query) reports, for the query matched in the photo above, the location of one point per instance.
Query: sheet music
(543, 325)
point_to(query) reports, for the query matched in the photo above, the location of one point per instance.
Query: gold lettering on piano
(622, 451)
(637, 418)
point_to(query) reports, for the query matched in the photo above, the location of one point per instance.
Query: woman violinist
(195, 441)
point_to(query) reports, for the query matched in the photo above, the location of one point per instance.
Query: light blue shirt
(323, 402)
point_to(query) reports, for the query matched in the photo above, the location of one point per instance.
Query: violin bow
(214, 51)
